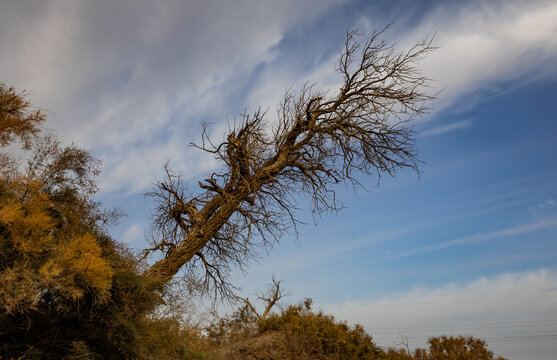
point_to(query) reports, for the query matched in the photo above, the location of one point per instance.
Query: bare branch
(320, 140)
(270, 298)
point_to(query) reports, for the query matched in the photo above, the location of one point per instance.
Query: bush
(447, 348)
(296, 332)
(66, 288)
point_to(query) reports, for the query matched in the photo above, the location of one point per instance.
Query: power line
(489, 339)
(544, 290)
(465, 301)
(492, 325)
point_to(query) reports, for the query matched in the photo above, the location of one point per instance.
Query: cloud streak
(487, 236)
(483, 44)
(135, 78)
(443, 129)
(133, 233)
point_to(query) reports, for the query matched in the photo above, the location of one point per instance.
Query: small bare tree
(269, 299)
(319, 140)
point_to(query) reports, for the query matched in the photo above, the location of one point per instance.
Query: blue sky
(469, 246)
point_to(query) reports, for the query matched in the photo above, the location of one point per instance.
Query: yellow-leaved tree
(47, 220)
(62, 279)
(40, 254)
(67, 289)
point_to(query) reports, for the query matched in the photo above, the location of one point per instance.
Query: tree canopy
(66, 288)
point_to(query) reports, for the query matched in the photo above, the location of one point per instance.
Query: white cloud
(514, 312)
(271, 86)
(484, 43)
(122, 76)
(134, 232)
(119, 76)
(480, 45)
(443, 129)
(542, 207)
(487, 236)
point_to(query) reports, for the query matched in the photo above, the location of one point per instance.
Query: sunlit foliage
(40, 254)
(446, 348)
(295, 332)
(66, 288)
(17, 119)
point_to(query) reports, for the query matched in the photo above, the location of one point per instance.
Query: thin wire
(489, 339)
(528, 323)
(466, 301)
(548, 290)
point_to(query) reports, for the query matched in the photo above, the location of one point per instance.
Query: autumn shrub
(241, 324)
(67, 289)
(65, 286)
(295, 332)
(331, 339)
(457, 348)
(446, 348)
(168, 338)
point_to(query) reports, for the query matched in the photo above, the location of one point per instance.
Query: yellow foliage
(10, 212)
(26, 219)
(80, 259)
(50, 270)
(17, 120)
(47, 255)
(18, 291)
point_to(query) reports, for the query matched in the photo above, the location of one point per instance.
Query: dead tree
(319, 140)
(270, 299)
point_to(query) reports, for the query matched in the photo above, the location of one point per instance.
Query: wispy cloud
(133, 79)
(487, 236)
(482, 44)
(130, 80)
(133, 233)
(443, 129)
(546, 205)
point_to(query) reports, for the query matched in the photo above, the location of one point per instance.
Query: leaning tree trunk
(318, 141)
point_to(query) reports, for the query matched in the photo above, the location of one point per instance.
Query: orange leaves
(77, 262)
(45, 254)
(25, 218)
(57, 261)
(17, 120)
(18, 289)
(459, 347)
(10, 213)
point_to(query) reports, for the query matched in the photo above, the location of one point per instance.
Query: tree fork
(318, 141)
